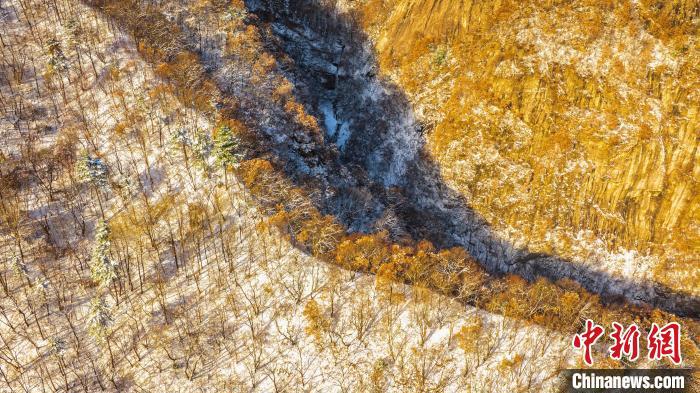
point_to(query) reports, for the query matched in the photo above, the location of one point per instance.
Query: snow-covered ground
(215, 300)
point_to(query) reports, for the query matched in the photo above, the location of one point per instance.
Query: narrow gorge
(348, 195)
(375, 136)
(367, 160)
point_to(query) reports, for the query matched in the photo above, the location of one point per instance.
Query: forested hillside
(226, 196)
(571, 126)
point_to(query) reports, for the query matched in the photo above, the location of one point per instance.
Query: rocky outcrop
(380, 176)
(571, 127)
(490, 165)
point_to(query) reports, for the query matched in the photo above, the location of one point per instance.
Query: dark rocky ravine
(371, 126)
(371, 172)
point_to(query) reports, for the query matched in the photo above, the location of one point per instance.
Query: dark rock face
(371, 170)
(334, 65)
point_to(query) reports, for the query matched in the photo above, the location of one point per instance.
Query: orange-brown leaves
(256, 171)
(366, 252)
(468, 336)
(283, 91)
(316, 322)
(320, 234)
(307, 121)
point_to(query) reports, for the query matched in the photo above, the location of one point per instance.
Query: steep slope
(132, 260)
(152, 268)
(332, 65)
(571, 127)
(149, 240)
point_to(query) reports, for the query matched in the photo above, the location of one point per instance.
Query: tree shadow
(378, 175)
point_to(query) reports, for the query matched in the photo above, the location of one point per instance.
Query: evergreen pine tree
(226, 147)
(202, 149)
(102, 267)
(100, 318)
(93, 170)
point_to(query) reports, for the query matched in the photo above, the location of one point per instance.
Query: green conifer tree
(227, 147)
(102, 267)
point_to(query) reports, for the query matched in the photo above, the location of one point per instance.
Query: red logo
(626, 342)
(665, 342)
(661, 342)
(586, 339)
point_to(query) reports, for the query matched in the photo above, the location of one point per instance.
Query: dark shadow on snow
(377, 173)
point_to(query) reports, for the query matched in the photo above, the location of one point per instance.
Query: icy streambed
(337, 131)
